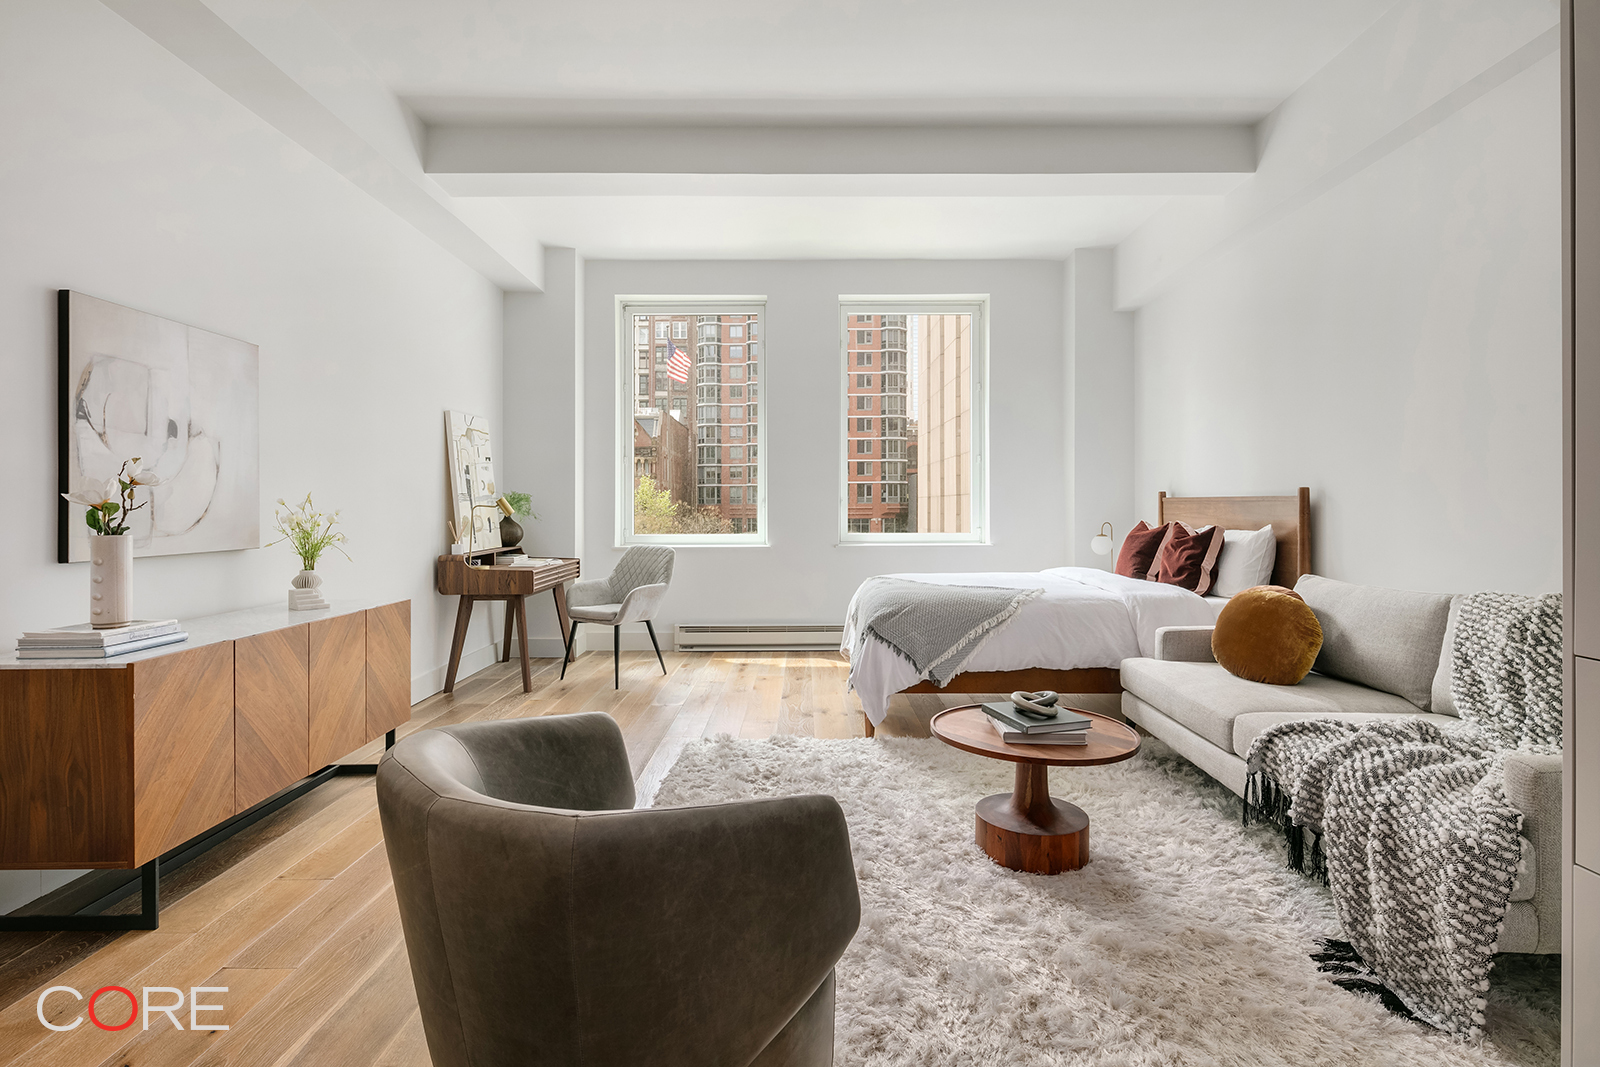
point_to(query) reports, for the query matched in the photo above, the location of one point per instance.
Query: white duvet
(1086, 618)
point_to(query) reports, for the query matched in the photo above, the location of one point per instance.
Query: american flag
(678, 365)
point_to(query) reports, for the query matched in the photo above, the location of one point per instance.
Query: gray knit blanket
(936, 627)
(1408, 820)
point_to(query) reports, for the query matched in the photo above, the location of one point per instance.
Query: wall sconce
(1102, 543)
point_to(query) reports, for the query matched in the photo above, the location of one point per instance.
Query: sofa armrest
(1533, 785)
(1185, 644)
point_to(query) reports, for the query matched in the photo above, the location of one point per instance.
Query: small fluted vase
(110, 580)
(305, 593)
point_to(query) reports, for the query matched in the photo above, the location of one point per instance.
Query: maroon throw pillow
(1139, 549)
(1189, 557)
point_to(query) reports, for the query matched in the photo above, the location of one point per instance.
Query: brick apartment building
(879, 430)
(718, 408)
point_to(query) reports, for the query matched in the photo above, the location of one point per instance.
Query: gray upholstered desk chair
(632, 593)
(548, 923)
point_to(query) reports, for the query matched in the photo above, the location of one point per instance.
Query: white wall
(804, 576)
(1099, 371)
(128, 176)
(1376, 314)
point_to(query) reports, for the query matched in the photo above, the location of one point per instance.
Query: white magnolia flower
(96, 496)
(135, 474)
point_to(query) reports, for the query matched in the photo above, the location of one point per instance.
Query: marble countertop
(205, 630)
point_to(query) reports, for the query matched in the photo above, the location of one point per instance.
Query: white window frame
(626, 308)
(976, 305)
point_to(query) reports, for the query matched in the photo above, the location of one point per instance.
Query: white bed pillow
(1246, 561)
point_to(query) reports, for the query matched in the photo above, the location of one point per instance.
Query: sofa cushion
(1388, 639)
(1444, 701)
(1246, 728)
(1267, 634)
(1207, 699)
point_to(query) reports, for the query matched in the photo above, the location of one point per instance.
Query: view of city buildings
(944, 423)
(880, 460)
(696, 417)
(908, 413)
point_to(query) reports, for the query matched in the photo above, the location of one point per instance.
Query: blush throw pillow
(1189, 557)
(1267, 634)
(1139, 549)
(1246, 561)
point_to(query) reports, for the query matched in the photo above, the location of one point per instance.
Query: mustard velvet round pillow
(1267, 634)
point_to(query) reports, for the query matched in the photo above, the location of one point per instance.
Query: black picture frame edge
(63, 421)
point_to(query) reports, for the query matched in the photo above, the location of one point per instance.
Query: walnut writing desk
(452, 577)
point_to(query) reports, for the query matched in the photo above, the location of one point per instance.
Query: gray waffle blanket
(1409, 821)
(936, 627)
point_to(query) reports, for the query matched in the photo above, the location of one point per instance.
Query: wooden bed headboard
(1289, 516)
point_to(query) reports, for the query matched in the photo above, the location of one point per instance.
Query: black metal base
(148, 877)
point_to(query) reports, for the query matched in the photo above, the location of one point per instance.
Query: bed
(1073, 637)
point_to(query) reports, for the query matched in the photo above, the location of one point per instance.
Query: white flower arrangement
(310, 531)
(109, 505)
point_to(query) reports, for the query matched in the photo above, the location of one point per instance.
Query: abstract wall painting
(185, 401)
(470, 453)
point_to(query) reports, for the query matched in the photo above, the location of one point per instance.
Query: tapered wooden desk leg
(463, 620)
(522, 636)
(559, 591)
(871, 730)
(510, 618)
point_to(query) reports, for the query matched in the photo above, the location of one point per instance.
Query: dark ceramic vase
(510, 532)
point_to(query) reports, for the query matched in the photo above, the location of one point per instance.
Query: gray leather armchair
(548, 923)
(631, 593)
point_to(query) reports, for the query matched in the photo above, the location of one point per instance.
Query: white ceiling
(1116, 58)
(1142, 100)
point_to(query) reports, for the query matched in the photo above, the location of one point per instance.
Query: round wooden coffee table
(1026, 829)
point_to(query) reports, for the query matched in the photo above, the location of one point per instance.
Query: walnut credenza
(114, 763)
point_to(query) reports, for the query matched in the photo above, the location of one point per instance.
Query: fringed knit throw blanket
(936, 627)
(1408, 821)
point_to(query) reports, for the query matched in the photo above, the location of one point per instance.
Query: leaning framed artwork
(182, 399)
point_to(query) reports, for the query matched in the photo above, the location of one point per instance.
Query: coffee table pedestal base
(1029, 830)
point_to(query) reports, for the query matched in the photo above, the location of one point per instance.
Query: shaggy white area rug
(1184, 941)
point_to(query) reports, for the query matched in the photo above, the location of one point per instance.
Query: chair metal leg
(648, 625)
(616, 657)
(572, 639)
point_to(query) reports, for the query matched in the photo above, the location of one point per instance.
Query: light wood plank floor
(297, 917)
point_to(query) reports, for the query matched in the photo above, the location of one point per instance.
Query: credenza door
(338, 688)
(271, 713)
(388, 667)
(182, 746)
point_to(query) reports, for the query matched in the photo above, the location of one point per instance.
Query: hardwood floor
(296, 915)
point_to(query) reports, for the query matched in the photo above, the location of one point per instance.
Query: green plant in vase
(510, 528)
(107, 509)
(310, 533)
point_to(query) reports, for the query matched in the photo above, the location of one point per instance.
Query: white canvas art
(182, 399)
(470, 453)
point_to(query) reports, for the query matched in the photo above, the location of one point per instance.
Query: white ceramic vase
(110, 580)
(305, 593)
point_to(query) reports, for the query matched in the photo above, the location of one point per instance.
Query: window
(932, 424)
(679, 475)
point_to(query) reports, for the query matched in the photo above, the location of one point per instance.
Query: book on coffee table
(1052, 737)
(1064, 719)
(84, 635)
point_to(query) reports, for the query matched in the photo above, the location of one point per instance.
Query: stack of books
(1065, 727)
(85, 642)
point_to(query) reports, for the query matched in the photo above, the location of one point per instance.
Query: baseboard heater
(799, 637)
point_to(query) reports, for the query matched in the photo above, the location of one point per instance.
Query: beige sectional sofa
(1385, 653)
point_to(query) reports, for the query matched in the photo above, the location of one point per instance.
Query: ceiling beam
(925, 149)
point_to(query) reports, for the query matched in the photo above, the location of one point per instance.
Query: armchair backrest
(641, 565)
